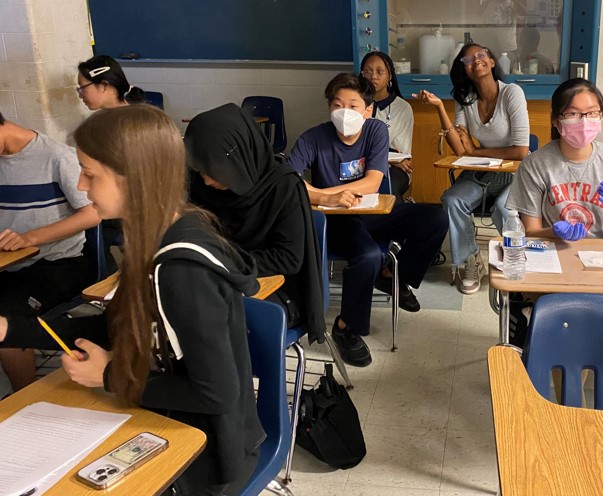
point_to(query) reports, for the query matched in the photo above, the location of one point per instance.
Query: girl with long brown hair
(177, 272)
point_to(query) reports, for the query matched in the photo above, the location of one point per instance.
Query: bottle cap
(504, 53)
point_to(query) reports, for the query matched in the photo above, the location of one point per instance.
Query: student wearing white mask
(348, 158)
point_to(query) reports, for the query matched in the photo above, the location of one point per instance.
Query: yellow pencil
(54, 336)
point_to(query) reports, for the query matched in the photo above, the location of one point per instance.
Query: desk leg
(503, 317)
(451, 177)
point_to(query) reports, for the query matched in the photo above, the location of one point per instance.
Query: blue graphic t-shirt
(332, 162)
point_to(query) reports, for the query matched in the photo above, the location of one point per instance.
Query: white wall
(41, 42)
(193, 89)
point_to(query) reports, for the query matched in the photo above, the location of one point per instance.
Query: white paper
(591, 259)
(478, 161)
(44, 438)
(546, 261)
(367, 201)
(397, 157)
(111, 293)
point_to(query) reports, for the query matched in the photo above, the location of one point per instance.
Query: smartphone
(115, 465)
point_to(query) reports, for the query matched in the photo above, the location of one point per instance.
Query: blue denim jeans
(459, 201)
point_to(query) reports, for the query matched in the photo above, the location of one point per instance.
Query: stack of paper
(397, 157)
(478, 161)
(367, 201)
(546, 261)
(43, 441)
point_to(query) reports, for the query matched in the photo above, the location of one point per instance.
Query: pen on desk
(357, 195)
(30, 492)
(54, 336)
(506, 164)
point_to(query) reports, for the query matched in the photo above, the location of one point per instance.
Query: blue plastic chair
(389, 249)
(267, 325)
(154, 98)
(274, 129)
(565, 333)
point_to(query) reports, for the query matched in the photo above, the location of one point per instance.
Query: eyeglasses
(592, 116)
(378, 72)
(479, 55)
(79, 89)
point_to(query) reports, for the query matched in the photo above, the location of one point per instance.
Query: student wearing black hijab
(263, 205)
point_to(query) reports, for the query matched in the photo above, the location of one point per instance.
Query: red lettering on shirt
(564, 191)
(556, 194)
(585, 192)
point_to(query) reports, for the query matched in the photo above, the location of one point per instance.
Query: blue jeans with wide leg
(420, 230)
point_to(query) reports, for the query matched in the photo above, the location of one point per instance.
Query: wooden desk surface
(153, 477)
(98, 291)
(385, 206)
(506, 166)
(574, 278)
(542, 448)
(8, 258)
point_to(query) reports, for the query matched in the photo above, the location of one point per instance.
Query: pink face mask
(579, 134)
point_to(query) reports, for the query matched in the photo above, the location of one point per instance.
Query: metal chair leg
(338, 361)
(297, 390)
(394, 249)
(493, 297)
(277, 486)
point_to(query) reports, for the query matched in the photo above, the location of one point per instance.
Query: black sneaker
(351, 346)
(406, 298)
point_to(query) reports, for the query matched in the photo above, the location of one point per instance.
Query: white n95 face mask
(347, 121)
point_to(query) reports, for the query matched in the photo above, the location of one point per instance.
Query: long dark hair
(463, 89)
(113, 75)
(394, 88)
(565, 93)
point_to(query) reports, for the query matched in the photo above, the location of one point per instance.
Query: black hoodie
(200, 285)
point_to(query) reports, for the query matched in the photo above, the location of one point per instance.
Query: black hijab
(228, 146)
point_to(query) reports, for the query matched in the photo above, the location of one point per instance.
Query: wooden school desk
(573, 279)
(98, 291)
(8, 258)
(446, 163)
(152, 478)
(542, 448)
(386, 203)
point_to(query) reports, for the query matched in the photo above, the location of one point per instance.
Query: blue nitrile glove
(600, 191)
(569, 232)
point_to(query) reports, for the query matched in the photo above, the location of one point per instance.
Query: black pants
(420, 229)
(193, 482)
(49, 282)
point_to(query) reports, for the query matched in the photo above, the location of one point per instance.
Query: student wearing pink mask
(555, 188)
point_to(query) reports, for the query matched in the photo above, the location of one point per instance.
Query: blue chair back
(267, 326)
(534, 142)
(95, 254)
(271, 107)
(385, 188)
(154, 98)
(320, 225)
(565, 333)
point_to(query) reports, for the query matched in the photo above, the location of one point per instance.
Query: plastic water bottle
(514, 247)
(505, 63)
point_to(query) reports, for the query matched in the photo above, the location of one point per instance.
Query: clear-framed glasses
(479, 55)
(79, 89)
(592, 116)
(378, 72)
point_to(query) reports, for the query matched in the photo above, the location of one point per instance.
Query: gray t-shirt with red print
(549, 187)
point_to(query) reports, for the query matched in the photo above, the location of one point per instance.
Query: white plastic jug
(433, 48)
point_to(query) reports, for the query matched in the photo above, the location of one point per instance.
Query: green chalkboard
(299, 30)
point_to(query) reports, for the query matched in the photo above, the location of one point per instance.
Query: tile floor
(425, 410)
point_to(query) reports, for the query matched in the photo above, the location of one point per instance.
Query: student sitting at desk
(39, 206)
(555, 188)
(179, 272)
(496, 114)
(348, 158)
(263, 206)
(392, 109)
(102, 84)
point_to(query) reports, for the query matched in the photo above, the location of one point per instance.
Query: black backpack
(328, 425)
